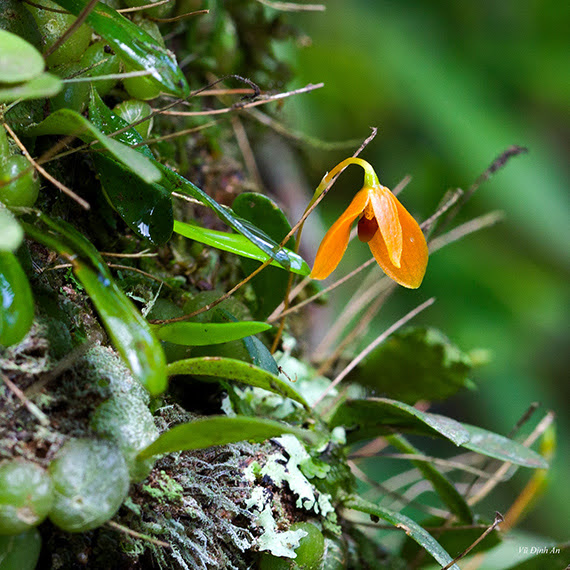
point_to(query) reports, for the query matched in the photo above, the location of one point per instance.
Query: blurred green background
(450, 85)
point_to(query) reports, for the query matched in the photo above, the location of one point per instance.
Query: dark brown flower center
(366, 229)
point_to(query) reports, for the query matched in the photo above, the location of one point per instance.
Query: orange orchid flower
(395, 238)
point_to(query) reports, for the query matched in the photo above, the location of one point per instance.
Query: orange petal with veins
(334, 243)
(414, 258)
(384, 204)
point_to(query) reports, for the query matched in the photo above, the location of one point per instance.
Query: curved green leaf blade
(260, 210)
(380, 416)
(202, 334)
(446, 490)
(454, 539)
(236, 370)
(218, 430)
(68, 122)
(11, 233)
(44, 85)
(19, 60)
(130, 333)
(16, 302)
(409, 526)
(260, 355)
(108, 123)
(502, 448)
(133, 45)
(238, 244)
(145, 208)
(178, 183)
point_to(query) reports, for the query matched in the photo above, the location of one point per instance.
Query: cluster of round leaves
(83, 487)
(78, 56)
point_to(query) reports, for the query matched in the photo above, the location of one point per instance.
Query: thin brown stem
(72, 29)
(30, 406)
(131, 532)
(180, 17)
(498, 519)
(378, 340)
(44, 173)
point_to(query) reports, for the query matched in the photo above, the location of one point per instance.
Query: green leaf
(409, 526)
(416, 364)
(145, 208)
(447, 492)
(20, 551)
(240, 245)
(128, 330)
(502, 448)
(372, 417)
(255, 235)
(236, 370)
(108, 123)
(130, 333)
(202, 334)
(133, 45)
(260, 355)
(258, 352)
(19, 60)
(11, 233)
(218, 430)
(16, 302)
(44, 85)
(453, 539)
(68, 122)
(260, 210)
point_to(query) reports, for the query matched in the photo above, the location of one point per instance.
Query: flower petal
(334, 243)
(414, 258)
(384, 204)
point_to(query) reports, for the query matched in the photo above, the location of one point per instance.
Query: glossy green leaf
(128, 330)
(409, 526)
(20, 551)
(240, 245)
(258, 352)
(68, 122)
(447, 492)
(109, 122)
(145, 208)
(260, 355)
(16, 302)
(133, 45)
(218, 430)
(269, 285)
(502, 448)
(19, 60)
(178, 183)
(202, 334)
(236, 370)
(416, 364)
(44, 85)
(372, 417)
(130, 333)
(11, 233)
(453, 539)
